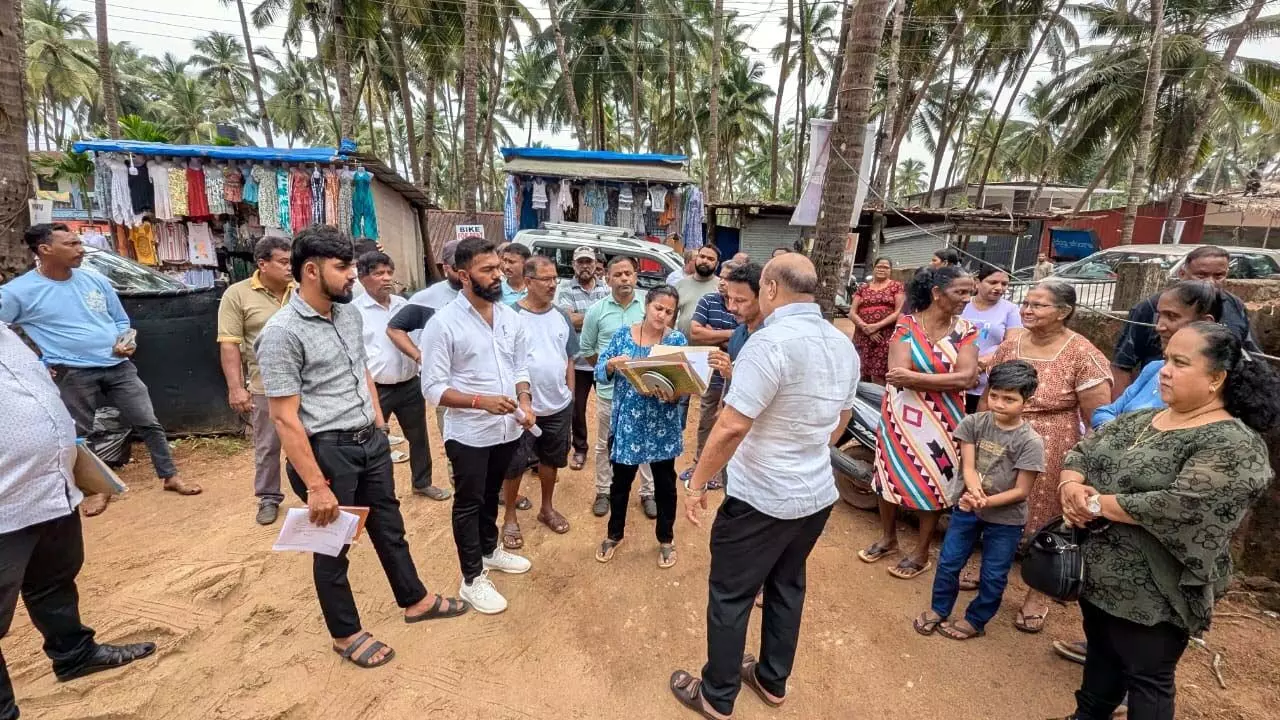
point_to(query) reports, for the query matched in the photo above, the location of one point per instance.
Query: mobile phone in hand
(128, 339)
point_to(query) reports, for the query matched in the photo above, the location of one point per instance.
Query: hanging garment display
(142, 193)
(250, 194)
(528, 216)
(144, 244)
(317, 198)
(177, 190)
(159, 173)
(214, 190)
(345, 179)
(232, 185)
(331, 192)
(611, 207)
(640, 215)
(200, 244)
(510, 212)
(539, 194)
(197, 201)
(121, 208)
(95, 239)
(102, 182)
(171, 242)
(282, 198)
(299, 199)
(364, 223)
(626, 212)
(556, 211)
(657, 196)
(598, 201)
(693, 218)
(264, 179)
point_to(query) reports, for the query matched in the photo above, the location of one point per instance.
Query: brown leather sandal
(751, 680)
(688, 690)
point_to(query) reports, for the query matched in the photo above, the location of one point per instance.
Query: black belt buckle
(362, 435)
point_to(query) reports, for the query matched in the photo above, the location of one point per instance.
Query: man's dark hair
(1204, 252)
(320, 242)
(265, 247)
(712, 248)
(371, 261)
(1017, 375)
(470, 249)
(622, 258)
(516, 248)
(42, 234)
(749, 274)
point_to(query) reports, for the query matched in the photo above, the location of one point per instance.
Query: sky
(159, 26)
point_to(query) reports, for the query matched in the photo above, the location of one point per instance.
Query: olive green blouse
(1188, 491)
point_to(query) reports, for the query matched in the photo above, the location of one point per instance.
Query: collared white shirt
(794, 377)
(436, 296)
(461, 351)
(38, 453)
(386, 363)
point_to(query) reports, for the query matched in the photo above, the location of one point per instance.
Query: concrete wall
(400, 235)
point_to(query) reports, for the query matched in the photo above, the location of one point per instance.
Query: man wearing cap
(582, 292)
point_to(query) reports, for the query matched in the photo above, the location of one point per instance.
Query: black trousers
(664, 494)
(360, 475)
(405, 401)
(84, 390)
(41, 562)
(750, 549)
(583, 381)
(1125, 657)
(477, 482)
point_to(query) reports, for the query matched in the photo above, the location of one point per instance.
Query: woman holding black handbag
(1174, 484)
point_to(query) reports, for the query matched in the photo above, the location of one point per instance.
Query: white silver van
(558, 241)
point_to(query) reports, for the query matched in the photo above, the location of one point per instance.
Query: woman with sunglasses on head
(1173, 485)
(1075, 381)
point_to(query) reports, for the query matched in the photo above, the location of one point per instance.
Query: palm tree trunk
(1017, 88)
(671, 83)
(927, 77)
(263, 121)
(495, 92)
(713, 139)
(324, 82)
(470, 52)
(887, 118)
(383, 103)
(837, 66)
(866, 33)
(777, 101)
(107, 73)
(14, 162)
(406, 101)
(1146, 127)
(802, 101)
(952, 114)
(370, 111)
(1205, 107)
(566, 77)
(429, 137)
(342, 68)
(1112, 157)
(637, 78)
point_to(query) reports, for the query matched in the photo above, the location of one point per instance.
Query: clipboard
(93, 476)
(360, 512)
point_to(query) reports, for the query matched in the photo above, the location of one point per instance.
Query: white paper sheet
(701, 364)
(299, 534)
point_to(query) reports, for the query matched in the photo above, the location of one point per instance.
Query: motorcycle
(853, 456)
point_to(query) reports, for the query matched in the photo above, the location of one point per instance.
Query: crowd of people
(997, 415)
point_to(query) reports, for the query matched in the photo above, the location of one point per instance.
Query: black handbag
(1054, 560)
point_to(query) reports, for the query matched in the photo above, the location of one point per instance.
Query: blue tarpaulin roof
(220, 152)
(538, 153)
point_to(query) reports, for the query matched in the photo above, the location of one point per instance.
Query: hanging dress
(282, 199)
(197, 200)
(159, 173)
(264, 184)
(364, 223)
(299, 199)
(345, 180)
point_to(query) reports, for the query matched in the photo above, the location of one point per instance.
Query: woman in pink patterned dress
(874, 310)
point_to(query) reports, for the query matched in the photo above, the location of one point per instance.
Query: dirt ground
(241, 638)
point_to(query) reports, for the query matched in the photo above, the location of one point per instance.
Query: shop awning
(541, 153)
(619, 172)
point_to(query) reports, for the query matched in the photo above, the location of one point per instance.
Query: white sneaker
(394, 439)
(482, 595)
(506, 562)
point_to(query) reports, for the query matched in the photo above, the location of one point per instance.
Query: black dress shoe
(107, 657)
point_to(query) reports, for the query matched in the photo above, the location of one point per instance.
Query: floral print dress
(875, 305)
(644, 428)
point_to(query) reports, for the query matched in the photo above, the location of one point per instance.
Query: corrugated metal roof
(907, 232)
(538, 153)
(595, 170)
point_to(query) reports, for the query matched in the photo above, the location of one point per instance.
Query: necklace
(935, 338)
(1151, 432)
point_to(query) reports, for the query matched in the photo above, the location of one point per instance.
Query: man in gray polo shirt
(325, 409)
(793, 389)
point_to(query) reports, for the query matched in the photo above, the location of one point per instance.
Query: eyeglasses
(553, 278)
(1035, 306)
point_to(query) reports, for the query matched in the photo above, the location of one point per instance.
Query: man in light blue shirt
(76, 319)
(514, 256)
(621, 308)
(791, 394)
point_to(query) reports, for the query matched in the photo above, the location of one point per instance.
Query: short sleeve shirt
(552, 341)
(1000, 455)
(245, 309)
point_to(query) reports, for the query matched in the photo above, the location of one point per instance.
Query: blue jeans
(999, 543)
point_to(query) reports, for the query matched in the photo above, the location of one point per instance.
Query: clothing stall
(195, 212)
(651, 195)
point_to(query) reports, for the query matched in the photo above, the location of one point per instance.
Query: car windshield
(127, 276)
(652, 273)
(1252, 266)
(1102, 266)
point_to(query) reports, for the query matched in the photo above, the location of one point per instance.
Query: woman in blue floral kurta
(645, 428)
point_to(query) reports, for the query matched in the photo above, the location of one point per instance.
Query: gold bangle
(1062, 483)
(696, 492)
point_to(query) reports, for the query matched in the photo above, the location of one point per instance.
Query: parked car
(1095, 275)
(558, 241)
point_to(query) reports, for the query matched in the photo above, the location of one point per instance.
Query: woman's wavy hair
(1249, 393)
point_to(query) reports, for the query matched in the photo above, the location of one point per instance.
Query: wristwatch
(1094, 505)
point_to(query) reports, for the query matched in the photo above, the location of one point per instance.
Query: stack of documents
(685, 369)
(298, 533)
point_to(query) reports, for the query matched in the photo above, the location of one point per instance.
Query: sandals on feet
(666, 555)
(908, 569)
(555, 521)
(512, 539)
(108, 657)
(442, 608)
(924, 625)
(955, 632)
(688, 690)
(607, 548)
(751, 680)
(363, 660)
(875, 553)
(1030, 624)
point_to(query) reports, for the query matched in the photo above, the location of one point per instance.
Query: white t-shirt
(552, 341)
(435, 296)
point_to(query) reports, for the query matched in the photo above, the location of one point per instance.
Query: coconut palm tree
(264, 122)
(909, 179)
(292, 106)
(470, 60)
(105, 71)
(221, 60)
(14, 257)
(566, 76)
(60, 64)
(780, 54)
(713, 131)
(527, 91)
(743, 115)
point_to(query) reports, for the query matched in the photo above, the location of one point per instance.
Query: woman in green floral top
(1174, 484)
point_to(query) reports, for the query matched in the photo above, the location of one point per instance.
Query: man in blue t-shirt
(76, 319)
(712, 325)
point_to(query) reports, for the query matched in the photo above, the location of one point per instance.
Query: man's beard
(703, 271)
(492, 293)
(454, 283)
(341, 295)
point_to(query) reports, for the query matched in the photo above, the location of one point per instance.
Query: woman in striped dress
(933, 359)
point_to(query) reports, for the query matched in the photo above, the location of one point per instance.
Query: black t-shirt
(1139, 344)
(141, 192)
(410, 318)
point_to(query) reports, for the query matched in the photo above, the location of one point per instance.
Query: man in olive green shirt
(246, 307)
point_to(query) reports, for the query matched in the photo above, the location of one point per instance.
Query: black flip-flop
(362, 660)
(455, 608)
(109, 657)
(875, 553)
(926, 627)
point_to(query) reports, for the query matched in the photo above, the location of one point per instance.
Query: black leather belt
(345, 437)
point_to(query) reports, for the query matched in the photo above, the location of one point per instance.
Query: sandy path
(241, 636)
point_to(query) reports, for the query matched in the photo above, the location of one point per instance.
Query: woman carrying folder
(645, 426)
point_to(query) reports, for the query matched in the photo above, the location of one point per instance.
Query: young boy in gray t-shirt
(1000, 455)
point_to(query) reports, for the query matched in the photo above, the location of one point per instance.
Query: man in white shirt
(677, 275)
(394, 375)
(553, 345)
(793, 388)
(475, 363)
(41, 547)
